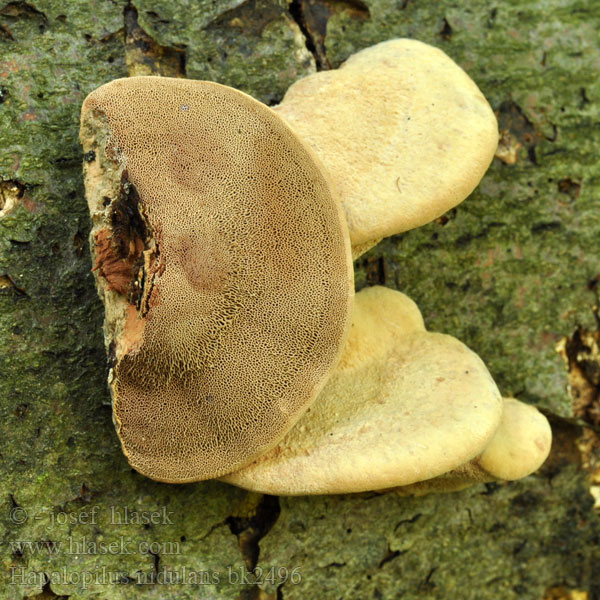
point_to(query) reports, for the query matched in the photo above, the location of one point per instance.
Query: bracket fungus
(222, 240)
(223, 260)
(519, 447)
(403, 131)
(406, 408)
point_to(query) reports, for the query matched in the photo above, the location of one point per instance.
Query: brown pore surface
(249, 293)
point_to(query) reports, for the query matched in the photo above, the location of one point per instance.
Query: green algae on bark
(505, 541)
(509, 272)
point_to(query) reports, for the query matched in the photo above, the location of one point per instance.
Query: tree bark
(512, 272)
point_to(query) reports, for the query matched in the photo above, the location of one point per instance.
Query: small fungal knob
(223, 259)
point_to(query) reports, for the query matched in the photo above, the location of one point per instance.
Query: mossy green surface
(496, 541)
(510, 272)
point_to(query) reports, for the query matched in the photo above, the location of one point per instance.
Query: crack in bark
(390, 555)
(312, 17)
(145, 56)
(11, 194)
(21, 10)
(251, 529)
(8, 283)
(581, 353)
(516, 132)
(47, 593)
(297, 12)
(407, 521)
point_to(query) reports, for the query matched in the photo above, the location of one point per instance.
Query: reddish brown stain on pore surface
(206, 267)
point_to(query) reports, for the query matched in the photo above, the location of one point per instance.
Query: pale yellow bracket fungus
(403, 406)
(519, 447)
(403, 131)
(223, 260)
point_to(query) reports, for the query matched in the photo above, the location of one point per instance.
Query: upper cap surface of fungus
(404, 405)
(519, 447)
(224, 262)
(403, 131)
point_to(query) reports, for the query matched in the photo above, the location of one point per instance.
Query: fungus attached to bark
(403, 131)
(519, 447)
(223, 260)
(404, 405)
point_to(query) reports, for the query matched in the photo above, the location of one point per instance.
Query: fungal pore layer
(223, 260)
